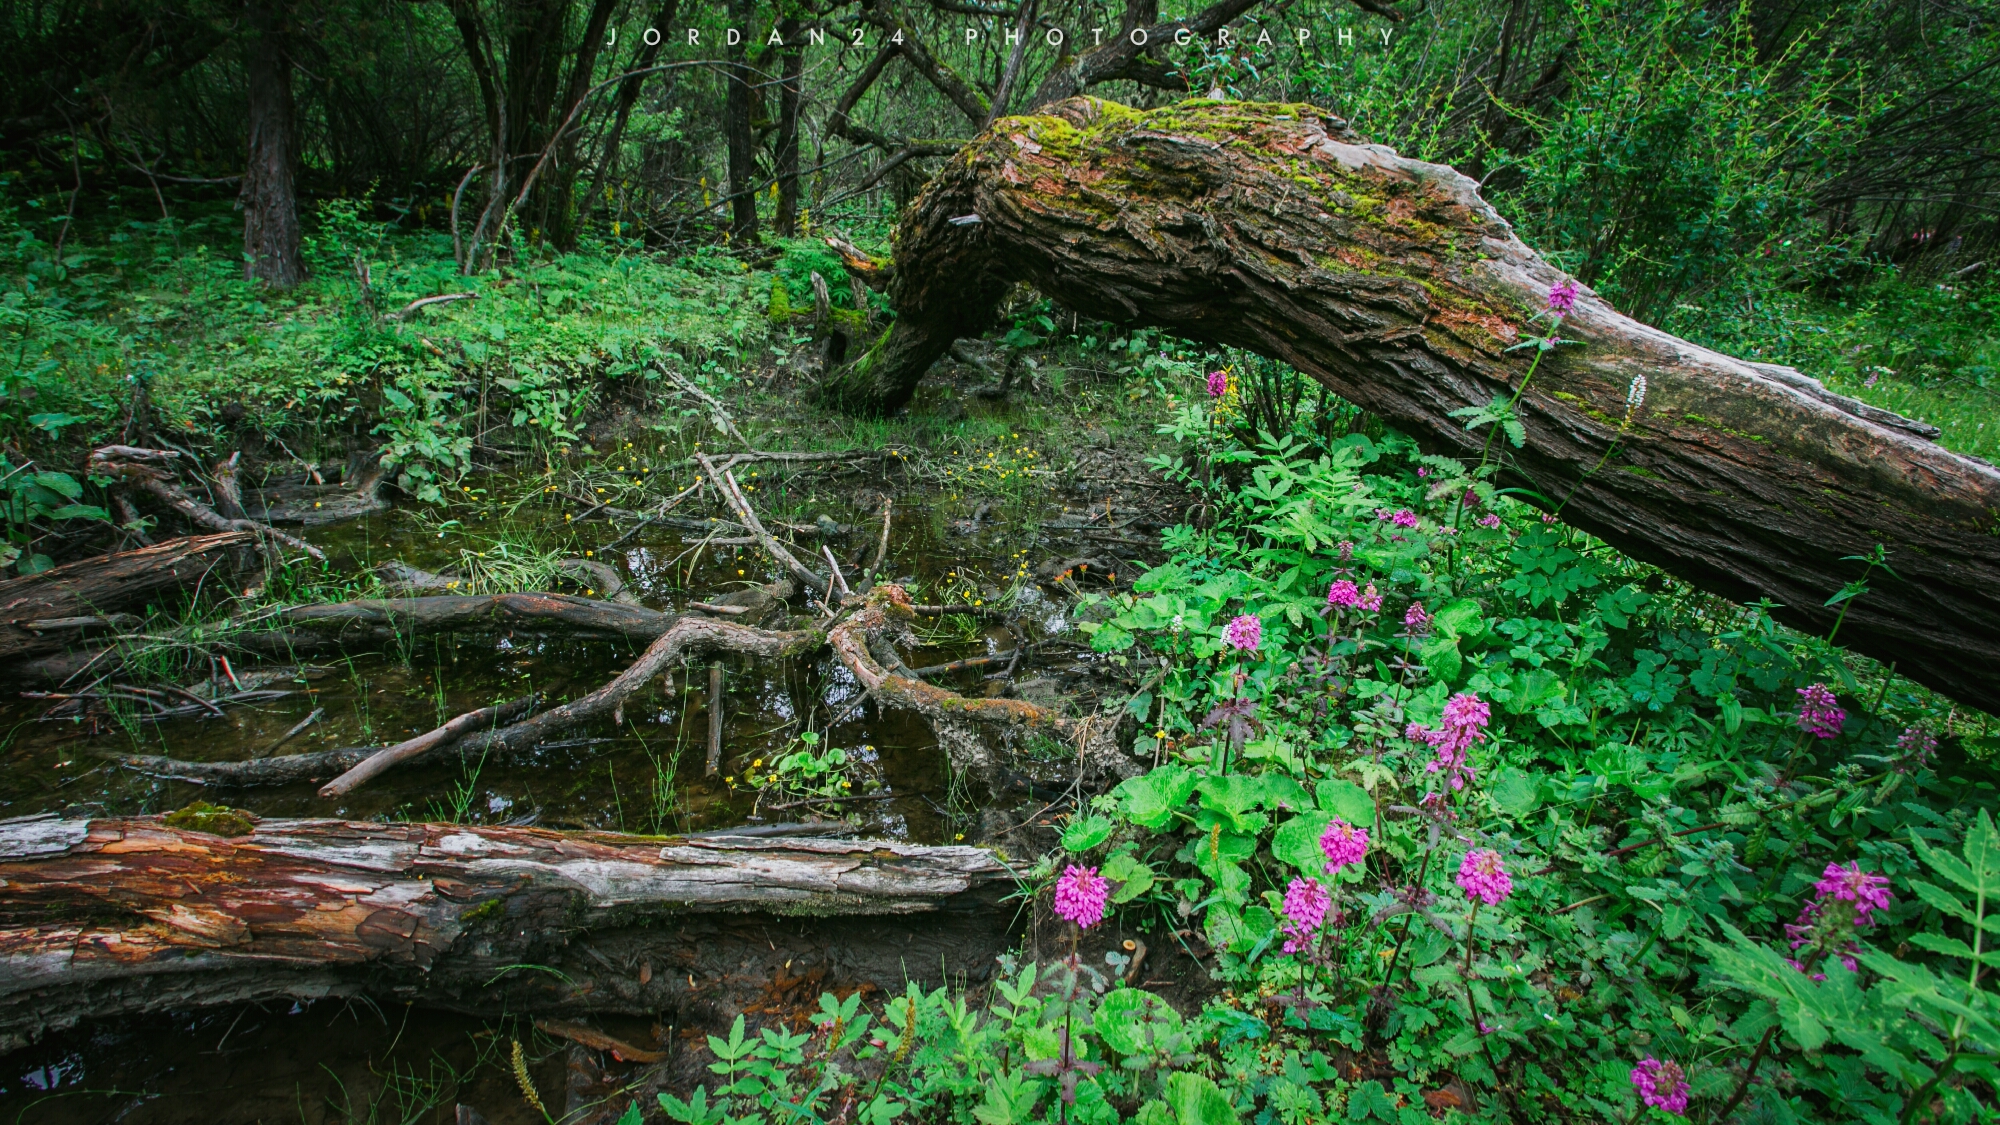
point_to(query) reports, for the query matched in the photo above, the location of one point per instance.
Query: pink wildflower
(1483, 877)
(1305, 910)
(1844, 901)
(1371, 602)
(1423, 472)
(1080, 896)
(1218, 384)
(1463, 725)
(1562, 297)
(1417, 621)
(1245, 631)
(1820, 714)
(1346, 549)
(1343, 844)
(1490, 519)
(1868, 891)
(1548, 517)
(1404, 517)
(1662, 1085)
(1343, 594)
(1917, 745)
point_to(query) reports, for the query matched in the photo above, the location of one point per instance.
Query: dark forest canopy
(1654, 148)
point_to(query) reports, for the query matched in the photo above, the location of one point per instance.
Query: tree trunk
(114, 917)
(1276, 229)
(786, 162)
(736, 133)
(46, 612)
(270, 202)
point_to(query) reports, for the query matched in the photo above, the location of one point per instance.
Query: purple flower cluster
(1346, 550)
(1820, 714)
(1915, 747)
(1490, 519)
(1562, 297)
(1484, 878)
(1306, 903)
(1080, 896)
(1244, 632)
(1218, 384)
(1416, 621)
(1845, 900)
(1463, 725)
(1662, 1084)
(1343, 594)
(1343, 844)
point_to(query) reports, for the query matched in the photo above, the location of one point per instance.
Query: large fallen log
(52, 610)
(111, 917)
(1275, 228)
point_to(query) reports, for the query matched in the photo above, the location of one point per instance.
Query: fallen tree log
(113, 917)
(1275, 228)
(50, 611)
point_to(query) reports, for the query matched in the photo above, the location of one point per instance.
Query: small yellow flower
(847, 785)
(588, 554)
(731, 780)
(739, 574)
(960, 836)
(757, 763)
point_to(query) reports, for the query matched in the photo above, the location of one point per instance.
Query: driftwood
(1275, 228)
(103, 918)
(383, 760)
(153, 471)
(47, 612)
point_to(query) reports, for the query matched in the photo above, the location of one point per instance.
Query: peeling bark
(42, 613)
(1275, 228)
(113, 917)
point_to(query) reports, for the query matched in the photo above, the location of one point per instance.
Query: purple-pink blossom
(1371, 599)
(1416, 621)
(1343, 844)
(1845, 900)
(1562, 297)
(1080, 896)
(1490, 519)
(1868, 891)
(1306, 903)
(1346, 549)
(1484, 878)
(1343, 594)
(1464, 724)
(1662, 1084)
(1820, 714)
(1218, 384)
(1244, 632)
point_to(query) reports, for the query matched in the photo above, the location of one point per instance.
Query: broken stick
(497, 715)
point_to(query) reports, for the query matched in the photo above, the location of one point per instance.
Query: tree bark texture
(112, 917)
(737, 135)
(1275, 228)
(270, 199)
(47, 612)
(785, 156)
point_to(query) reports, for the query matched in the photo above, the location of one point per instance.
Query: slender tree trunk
(736, 131)
(559, 182)
(1275, 228)
(626, 97)
(270, 201)
(790, 88)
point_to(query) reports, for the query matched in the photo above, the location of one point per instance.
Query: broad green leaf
(1133, 877)
(1944, 900)
(1132, 1021)
(1515, 792)
(1152, 800)
(1347, 801)
(1440, 656)
(1297, 842)
(1086, 833)
(1197, 1100)
(61, 483)
(1234, 799)
(1460, 618)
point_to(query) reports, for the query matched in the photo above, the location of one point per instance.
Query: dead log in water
(104, 918)
(1275, 228)
(46, 612)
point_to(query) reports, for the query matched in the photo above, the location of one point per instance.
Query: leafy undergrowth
(1475, 817)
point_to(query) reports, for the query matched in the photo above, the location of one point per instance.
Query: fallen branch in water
(732, 494)
(44, 612)
(153, 471)
(112, 917)
(495, 716)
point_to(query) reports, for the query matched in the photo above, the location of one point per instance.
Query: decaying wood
(376, 764)
(46, 612)
(1275, 228)
(153, 471)
(103, 918)
(732, 493)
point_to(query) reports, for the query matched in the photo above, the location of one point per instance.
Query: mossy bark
(1275, 228)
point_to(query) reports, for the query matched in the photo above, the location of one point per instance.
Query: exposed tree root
(112, 917)
(153, 471)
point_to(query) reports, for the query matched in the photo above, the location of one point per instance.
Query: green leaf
(1133, 1022)
(1460, 618)
(1944, 900)
(1010, 1100)
(1368, 1100)
(1152, 800)
(1515, 792)
(1133, 877)
(1440, 656)
(1197, 1100)
(34, 564)
(1086, 833)
(1346, 800)
(60, 483)
(1297, 842)
(1111, 638)
(631, 1116)
(1233, 799)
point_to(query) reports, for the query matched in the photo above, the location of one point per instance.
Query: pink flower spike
(1417, 621)
(1423, 472)
(1343, 594)
(1562, 297)
(1244, 633)
(1343, 844)
(1868, 891)
(1820, 714)
(1483, 877)
(1662, 1085)
(1403, 517)
(1490, 519)
(1080, 896)
(1306, 903)
(1371, 599)
(1346, 549)
(1218, 384)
